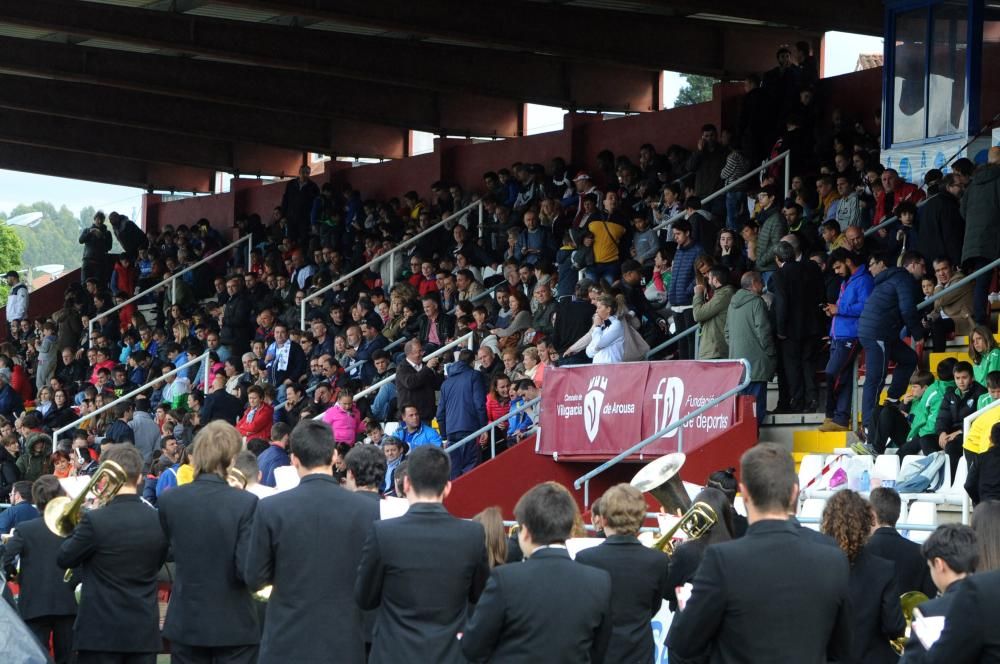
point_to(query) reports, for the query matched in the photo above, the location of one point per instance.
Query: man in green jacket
(711, 314)
(750, 337)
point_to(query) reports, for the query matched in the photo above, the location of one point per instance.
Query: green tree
(697, 90)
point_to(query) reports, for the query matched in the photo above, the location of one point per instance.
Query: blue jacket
(853, 295)
(10, 517)
(891, 306)
(682, 275)
(462, 406)
(271, 458)
(425, 435)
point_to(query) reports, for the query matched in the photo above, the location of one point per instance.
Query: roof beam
(509, 74)
(245, 85)
(97, 138)
(202, 119)
(125, 172)
(859, 16)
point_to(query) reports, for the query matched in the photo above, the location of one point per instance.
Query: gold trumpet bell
(662, 479)
(62, 514)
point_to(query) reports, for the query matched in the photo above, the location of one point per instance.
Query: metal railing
(388, 256)
(959, 284)
(478, 296)
(172, 281)
(527, 405)
(466, 339)
(694, 329)
(203, 358)
(926, 527)
(754, 172)
(894, 218)
(584, 480)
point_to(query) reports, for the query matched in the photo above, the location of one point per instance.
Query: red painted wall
(503, 480)
(217, 208)
(858, 95)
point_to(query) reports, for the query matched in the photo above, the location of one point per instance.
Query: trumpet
(695, 523)
(62, 514)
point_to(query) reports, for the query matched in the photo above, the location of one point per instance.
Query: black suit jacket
(638, 588)
(307, 543)
(549, 609)
(43, 591)
(221, 405)
(970, 633)
(417, 388)
(911, 568)
(773, 596)
(421, 571)
(120, 549)
(208, 525)
(875, 609)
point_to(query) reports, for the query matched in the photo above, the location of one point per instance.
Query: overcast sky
(842, 52)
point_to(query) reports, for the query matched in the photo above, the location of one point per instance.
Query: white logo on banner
(592, 403)
(667, 398)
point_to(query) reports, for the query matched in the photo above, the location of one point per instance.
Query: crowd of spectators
(570, 265)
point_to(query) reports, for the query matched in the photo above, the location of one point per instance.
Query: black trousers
(185, 654)
(61, 630)
(940, 329)
(104, 657)
(798, 373)
(685, 347)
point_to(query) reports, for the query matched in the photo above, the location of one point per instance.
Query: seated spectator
(984, 353)
(415, 432)
(953, 311)
(955, 405)
(258, 417)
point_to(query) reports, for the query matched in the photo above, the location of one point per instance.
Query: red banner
(605, 409)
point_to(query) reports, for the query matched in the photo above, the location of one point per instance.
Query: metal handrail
(478, 296)
(694, 329)
(894, 218)
(955, 286)
(753, 172)
(584, 480)
(203, 358)
(466, 338)
(492, 425)
(389, 255)
(926, 527)
(172, 281)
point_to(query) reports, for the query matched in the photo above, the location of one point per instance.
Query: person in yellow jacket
(978, 440)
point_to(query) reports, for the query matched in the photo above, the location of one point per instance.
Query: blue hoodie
(462, 404)
(853, 295)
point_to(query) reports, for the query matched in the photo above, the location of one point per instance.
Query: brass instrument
(695, 523)
(62, 514)
(909, 601)
(236, 479)
(264, 594)
(662, 479)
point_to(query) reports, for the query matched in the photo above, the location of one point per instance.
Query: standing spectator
(737, 165)
(942, 228)
(607, 233)
(711, 313)
(129, 235)
(17, 299)
(891, 308)
(681, 292)
(855, 289)
(96, 241)
(461, 411)
(144, 430)
(237, 318)
(607, 337)
(48, 352)
(981, 211)
(750, 337)
(416, 381)
(707, 162)
(796, 302)
(772, 229)
(297, 203)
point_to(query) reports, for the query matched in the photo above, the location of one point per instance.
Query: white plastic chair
(809, 468)
(886, 467)
(390, 428)
(812, 508)
(923, 513)
(961, 474)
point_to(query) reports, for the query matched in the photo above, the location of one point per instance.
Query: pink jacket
(346, 426)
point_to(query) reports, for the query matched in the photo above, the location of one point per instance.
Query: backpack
(922, 474)
(889, 425)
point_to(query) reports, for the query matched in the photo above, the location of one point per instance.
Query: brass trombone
(62, 514)
(662, 479)
(909, 601)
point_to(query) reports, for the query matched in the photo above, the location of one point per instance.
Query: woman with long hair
(872, 590)
(496, 537)
(688, 556)
(61, 413)
(729, 253)
(984, 353)
(986, 523)
(497, 405)
(607, 338)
